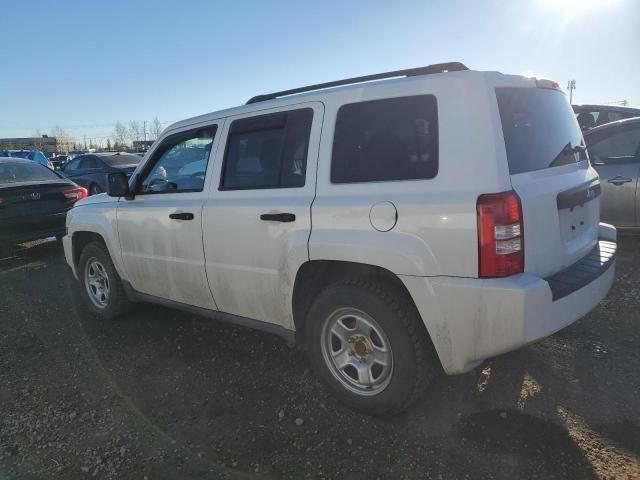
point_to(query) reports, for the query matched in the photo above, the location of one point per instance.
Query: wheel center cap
(360, 346)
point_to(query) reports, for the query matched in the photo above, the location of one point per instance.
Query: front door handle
(278, 217)
(181, 216)
(619, 180)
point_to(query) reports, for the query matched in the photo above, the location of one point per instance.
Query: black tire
(414, 362)
(94, 189)
(117, 302)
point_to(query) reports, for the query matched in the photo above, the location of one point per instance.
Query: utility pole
(571, 86)
(144, 130)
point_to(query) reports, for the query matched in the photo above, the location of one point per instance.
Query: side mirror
(118, 185)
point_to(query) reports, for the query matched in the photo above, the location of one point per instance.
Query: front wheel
(103, 290)
(366, 340)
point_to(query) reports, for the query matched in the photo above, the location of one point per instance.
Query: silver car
(614, 150)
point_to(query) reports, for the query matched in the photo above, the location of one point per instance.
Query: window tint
(166, 169)
(89, 163)
(622, 146)
(537, 124)
(381, 140)
(268, 151)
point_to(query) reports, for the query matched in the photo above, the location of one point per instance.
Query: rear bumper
(470, 320)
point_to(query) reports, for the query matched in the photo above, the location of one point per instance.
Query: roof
(617, 123)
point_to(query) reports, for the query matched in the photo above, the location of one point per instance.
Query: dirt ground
(162, 394)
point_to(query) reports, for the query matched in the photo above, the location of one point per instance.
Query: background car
(59, 160)
(614, 151)
(35, 155)
(34, 201)
(90, 170)
(590, 116)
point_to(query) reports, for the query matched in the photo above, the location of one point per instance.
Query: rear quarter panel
(435, 233)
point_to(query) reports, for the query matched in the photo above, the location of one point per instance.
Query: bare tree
(120, 134)
(37, 142)
(155, 129)
(135, 131)
(64, 142)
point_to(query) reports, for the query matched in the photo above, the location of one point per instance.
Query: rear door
(257, 220)
(558, 189)
(615, 154)
(77, 170)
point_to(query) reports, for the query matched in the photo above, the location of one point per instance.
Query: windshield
(539, 127)
(19, 154)
(121, 159)
(14, 172)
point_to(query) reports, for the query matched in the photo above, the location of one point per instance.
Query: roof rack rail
(411, 72)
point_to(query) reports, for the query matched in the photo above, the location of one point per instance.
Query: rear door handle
(278, 217)
(619, 180)
(181, 216)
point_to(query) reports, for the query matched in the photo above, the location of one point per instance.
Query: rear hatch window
(539, 127)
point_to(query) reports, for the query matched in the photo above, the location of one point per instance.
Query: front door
(257, 220)
(160, 230)
(614, 153)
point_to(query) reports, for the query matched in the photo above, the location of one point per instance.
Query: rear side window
(539, 128)
(267, 151)
(384, 140)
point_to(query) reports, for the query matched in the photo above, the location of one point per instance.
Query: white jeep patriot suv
(397, 224)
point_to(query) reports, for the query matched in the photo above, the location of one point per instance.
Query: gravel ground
(162, 394)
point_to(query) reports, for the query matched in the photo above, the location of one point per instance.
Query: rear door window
(620, 146)
(89, 163)
(385, 140)
(267, 151)
(539, 128)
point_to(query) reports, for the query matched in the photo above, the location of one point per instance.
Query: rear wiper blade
(566, 150)
(578, 148)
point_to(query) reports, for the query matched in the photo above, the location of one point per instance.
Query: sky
(85, 65)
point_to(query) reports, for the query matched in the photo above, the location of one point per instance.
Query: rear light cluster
(75, 194)
(500, 235)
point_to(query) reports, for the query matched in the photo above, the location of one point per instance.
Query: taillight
(500, 235)
(75, 194)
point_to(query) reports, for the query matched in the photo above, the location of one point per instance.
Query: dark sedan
(90, 170)
(34, 201)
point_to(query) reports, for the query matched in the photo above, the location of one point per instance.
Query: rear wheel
(103, 290)
(367, 342)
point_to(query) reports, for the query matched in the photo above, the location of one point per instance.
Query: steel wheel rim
(357, 351)
(96, 281)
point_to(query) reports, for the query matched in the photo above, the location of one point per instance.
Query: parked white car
(399, 225)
